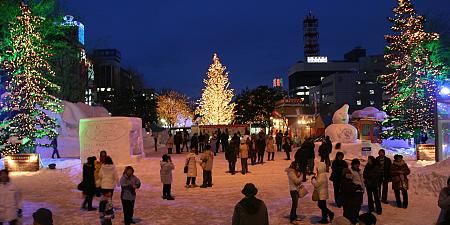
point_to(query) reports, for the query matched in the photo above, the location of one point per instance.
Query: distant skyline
(172, 42)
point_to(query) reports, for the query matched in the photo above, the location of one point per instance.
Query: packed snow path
(56, 190)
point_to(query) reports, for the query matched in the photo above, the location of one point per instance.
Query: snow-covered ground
(56, 190)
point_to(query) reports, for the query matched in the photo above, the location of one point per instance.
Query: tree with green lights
(415, 74)
(29, 96)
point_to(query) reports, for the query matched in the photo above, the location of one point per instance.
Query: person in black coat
(352, 195)
(201, 142)
(385, 169)
(301, 158)
(231, 154)
(279, 140)
(194, 142)
(88, 183)
(261, 146)
(224, 140)
(309, 147)
(337, 167)
(324, 154)
(372, 180)
(178, 140)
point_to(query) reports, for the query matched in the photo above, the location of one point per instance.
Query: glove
(19, 213)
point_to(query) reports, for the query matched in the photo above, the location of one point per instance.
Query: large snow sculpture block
(120, 137)
(340, 131)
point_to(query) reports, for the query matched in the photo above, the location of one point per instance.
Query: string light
(28, 101)
(215, 106)
(413, 81)
(173, 105)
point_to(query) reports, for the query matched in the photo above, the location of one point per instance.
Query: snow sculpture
(120, 137)
(369, 112)
(69, 119)
(340, 131)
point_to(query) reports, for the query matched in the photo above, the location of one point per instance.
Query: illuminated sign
(278, 82)
(426, 152)
(317, 59)
(68, 21)
(22, 162)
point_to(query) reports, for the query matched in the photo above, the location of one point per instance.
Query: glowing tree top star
(28, 98)
(412, 83)
(215, 106)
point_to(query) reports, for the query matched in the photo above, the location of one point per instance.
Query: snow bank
(429, 180)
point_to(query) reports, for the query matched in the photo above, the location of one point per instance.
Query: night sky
(172, 42)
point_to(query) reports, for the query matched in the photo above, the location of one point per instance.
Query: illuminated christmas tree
(413, 81)
(215, 106)
(28, 99)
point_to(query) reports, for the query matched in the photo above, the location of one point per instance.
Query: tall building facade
(311, 36)
(110, 79)
(79, 86)
(358, 89)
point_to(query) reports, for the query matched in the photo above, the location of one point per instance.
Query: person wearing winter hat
(367, 219)
(250, 210)
(399, 173)
(43, 216)
(341, 221)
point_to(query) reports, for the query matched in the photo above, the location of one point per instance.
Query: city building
(311, 36)
(304, 75)
(111, 81)
(358, 89)
(79, 85)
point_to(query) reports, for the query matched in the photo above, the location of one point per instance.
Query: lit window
(102, 89)
(358, 102)
(108, 89)
(358, 92)
(372, 92)
(372, 102)
(358, 82)
(300, 93)
(307, 93)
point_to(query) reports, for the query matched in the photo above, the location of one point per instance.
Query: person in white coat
(295, 181)
(167, 167)
(191, 163)
(108, 176)
(10, 200)
(320, 183)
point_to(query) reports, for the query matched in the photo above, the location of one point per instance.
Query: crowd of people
(350, 182)
(100, 179)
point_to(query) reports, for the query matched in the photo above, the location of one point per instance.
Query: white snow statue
(369, 112)
(120, 137)
(340, 131)
(69, 119)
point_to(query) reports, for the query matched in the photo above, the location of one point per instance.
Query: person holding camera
(166, 176)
